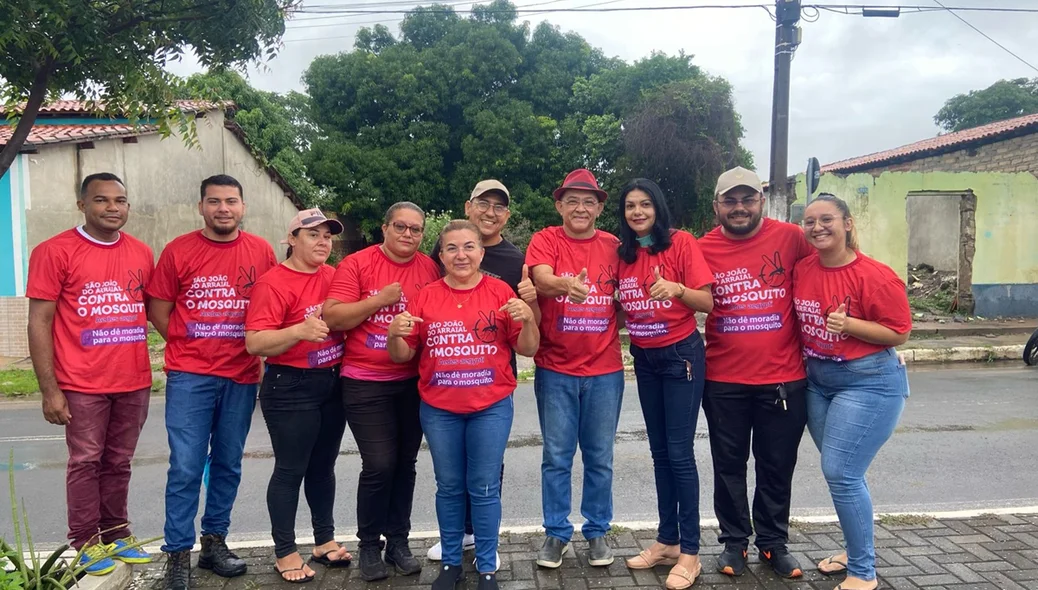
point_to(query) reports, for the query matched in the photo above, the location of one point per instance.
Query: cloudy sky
(860, 85)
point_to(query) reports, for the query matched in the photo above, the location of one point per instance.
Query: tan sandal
(686, 578)
(647, 560)
(832, 560)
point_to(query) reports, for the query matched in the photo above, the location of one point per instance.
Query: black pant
(383, 416)
(306, 421)
(733, 411)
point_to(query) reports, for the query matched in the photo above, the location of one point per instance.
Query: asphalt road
(966, 441)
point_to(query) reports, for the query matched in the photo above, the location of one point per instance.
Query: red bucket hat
(580, 179)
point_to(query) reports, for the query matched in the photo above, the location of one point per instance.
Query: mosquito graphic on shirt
(607, 282)
(772, 273)
(486, 327)
(135, 286)
(246, 280)
(836, 303)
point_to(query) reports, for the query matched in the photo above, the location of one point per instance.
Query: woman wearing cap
(664, 281)
(462, 329)
(299, 397)
(853, 311)
(381, 398)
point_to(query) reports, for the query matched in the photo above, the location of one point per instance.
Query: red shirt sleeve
(47, 274)
(542, 250)
(267, 308)
(697, 273)
(887, 305)
(164, 282)
(415, 308)
(346, 282)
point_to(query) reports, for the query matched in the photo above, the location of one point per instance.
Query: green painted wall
(1007, 217)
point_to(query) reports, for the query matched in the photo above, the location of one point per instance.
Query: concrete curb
(964, 354)
(117, 580)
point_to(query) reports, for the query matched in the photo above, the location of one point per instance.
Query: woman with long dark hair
(664, 281)
(299, 396)
(853, 311)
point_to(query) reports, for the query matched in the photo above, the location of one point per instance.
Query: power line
(1003, 47)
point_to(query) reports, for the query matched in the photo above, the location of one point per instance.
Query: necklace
(450, 290)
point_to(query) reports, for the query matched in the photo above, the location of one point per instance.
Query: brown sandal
(687, 578)
(647, 560)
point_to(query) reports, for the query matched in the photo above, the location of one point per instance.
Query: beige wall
(162, 178)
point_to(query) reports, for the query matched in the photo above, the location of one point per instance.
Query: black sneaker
(784, 564)
(399, 555)
(217, 557)
(449, 577)
(551, 553)
(178, 571)
(487, 582)
(732, 560)
(371, 565)
(599, 554)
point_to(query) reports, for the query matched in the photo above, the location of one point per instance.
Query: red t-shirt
(871, 291)
(655, 324)
(363, 275)
(210, 284)
(464, 353)
(285, 297)
(580, 339)
(751, 334)
(100, 322)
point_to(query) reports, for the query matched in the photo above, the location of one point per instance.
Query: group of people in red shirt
(396, 344)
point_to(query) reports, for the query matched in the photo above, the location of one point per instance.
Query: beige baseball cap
(738, 176)
(311, 218)
(485, 186)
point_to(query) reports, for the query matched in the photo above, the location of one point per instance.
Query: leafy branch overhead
(113, 53)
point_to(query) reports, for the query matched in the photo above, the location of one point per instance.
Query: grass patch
(939, 302)
(617, 530)
(525, 375)
(154, 338)
(155, 367)
(905, 519)
(158, 385)
(18, 382)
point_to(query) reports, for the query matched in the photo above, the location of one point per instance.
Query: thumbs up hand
(662, 289)
(527, 292)
(836, 322)
(578, 291)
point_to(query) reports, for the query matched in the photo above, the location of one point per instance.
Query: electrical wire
(985, 35)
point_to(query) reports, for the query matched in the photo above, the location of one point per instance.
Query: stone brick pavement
(983, 553)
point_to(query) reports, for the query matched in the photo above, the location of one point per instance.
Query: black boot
(371, 565)
(398, 554)
(217, 557)
(178, 571)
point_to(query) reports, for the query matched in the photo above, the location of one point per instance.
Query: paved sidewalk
(984, 553)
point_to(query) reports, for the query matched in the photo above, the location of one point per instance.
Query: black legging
(383, 416)
(305, 419)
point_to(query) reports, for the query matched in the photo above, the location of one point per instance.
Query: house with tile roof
(162, 176)
(963, 202)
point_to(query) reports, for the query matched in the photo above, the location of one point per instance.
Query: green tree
(114, 53)
(1002, 100)
(277, 126)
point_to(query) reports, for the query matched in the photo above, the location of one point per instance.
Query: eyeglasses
(589, 203)
(731, 202)
(416, 230)
(824, 221)
(482, 206)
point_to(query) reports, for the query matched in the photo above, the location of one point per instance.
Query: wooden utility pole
(787, 15)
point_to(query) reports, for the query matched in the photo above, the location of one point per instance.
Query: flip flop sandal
(333, 563)
(683, 574)
(829, 560)
(296, 569)
(647, 560)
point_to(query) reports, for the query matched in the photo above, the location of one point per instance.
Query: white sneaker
(497, 564)
(467, 544)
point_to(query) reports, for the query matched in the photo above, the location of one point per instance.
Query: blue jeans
(467, 452)
(852, 409)
(586, 410)
(670, 388)
(205, 417)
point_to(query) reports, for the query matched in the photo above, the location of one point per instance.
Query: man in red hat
(579, 379)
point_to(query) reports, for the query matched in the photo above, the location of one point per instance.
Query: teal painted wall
(14, 251)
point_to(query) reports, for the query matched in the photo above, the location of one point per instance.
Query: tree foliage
(114, 52)
(1002, 100)
(451, 100)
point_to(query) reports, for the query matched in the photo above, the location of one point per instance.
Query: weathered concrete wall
(162, 178)
(933, 230)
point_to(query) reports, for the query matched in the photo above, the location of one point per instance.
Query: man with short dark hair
(755, 380)
(200, 293)
(87, 314)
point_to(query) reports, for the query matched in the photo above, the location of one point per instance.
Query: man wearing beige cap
(487, 208)
(755, 378)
